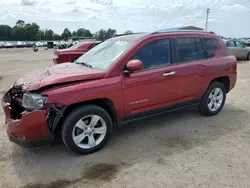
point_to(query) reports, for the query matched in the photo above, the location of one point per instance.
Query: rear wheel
(213, 100)
(87, 129)
(248, 56)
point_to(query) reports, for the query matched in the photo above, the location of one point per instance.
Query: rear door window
(212, 45)
(239, 44)
(186, 49)
(200, 48)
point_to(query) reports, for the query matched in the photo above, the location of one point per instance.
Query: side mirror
(133, 65)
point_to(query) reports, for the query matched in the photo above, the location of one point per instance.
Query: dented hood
(57, 74)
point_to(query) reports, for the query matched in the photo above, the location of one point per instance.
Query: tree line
(32, 32)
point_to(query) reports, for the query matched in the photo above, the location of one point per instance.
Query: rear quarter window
(212, 45)
(186, 49)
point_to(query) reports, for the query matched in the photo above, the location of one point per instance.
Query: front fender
(109, 88)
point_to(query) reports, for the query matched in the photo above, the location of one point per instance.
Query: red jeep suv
(74, 52)
(122, 79)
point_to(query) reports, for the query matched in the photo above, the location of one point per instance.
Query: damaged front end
(27, 120)
(54, 115)
(14, 98)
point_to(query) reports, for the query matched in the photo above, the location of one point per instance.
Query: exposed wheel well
(104, 103)
(224, 80)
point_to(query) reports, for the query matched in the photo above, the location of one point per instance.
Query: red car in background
(74, 52)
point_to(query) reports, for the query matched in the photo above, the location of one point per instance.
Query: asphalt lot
(178, 149)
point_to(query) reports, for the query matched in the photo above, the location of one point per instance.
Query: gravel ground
(178, 149)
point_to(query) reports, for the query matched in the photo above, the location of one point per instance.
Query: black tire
(248, 56)
(203, 106)
(74, 117)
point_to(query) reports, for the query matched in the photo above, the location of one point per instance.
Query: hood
(56, 74)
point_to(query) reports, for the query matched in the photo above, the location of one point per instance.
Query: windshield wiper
(84, 64)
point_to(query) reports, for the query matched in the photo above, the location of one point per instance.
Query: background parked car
(74, 52)
(247, 43)
(20, 44)
(10, 45)
(29, 44)
(2, 45)
(238, 49)
(62, 46)
(39, 44)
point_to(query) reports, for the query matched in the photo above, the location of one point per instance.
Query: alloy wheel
(215, 99)
(89, 131)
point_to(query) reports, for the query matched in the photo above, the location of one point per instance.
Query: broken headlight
(32, 101)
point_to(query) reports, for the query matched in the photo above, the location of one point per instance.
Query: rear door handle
(169, 73)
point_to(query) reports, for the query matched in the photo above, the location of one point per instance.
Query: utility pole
(208, 11)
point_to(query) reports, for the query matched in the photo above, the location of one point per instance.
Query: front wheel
(86, 129)
(213, 100)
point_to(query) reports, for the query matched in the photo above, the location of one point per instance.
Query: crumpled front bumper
(31, 130)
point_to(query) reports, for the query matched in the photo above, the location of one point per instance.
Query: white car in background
(10, 45)
(2, 44)
(39, 44)
(20, 44)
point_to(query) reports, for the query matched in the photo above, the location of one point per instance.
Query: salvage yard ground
(178, 149)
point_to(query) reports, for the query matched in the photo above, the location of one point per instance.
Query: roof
(137, 36)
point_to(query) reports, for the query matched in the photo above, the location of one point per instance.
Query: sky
(229, 18)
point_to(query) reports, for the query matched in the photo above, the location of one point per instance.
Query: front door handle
(169, 73)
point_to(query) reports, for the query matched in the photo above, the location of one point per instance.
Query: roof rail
(124, 34)
(179, 31)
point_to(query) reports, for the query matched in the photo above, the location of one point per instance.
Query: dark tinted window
(156, 53)
(200, 48)
(212, 45)
(230, 44)
(186, 49)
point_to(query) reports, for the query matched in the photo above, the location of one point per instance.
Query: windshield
(104, 54)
